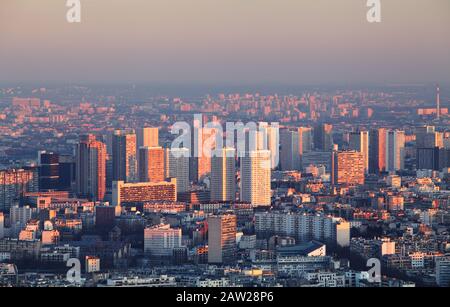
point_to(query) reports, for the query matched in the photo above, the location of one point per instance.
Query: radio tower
(438, 104)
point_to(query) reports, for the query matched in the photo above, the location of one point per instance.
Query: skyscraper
(151, 164)
(359, 141)
(290, 150)
(429, 148)
(223, 172)
(200, 159)
(178, 160)
(305, 139)
(270, 135)
(438, 103)
(48, 170)
(430, 158)
(254, 140)
(222, 238)
(377, 151)
(395, 150)
(323, 137)
(348, 168)
(124, 156)
(67, 171)
(2, 226)
(148, 137)
(428, 137)
(91, 168)
(256, 178)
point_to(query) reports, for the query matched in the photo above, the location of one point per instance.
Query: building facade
(256, 178)
(223, 175)
(161, 240)
(222, 238)
(143, 192)
(151, 164)
(91, 168)
(348, 168)
(124, 156)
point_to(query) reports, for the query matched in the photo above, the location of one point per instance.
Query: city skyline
(355, 173)
(246, 145)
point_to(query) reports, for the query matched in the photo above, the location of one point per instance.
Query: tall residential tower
(223, 172)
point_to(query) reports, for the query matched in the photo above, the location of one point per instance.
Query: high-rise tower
(151, 164)
(438, 103)
(222, 238)
(290, 150)
(255, 178)
(377, 150)
(91, 168)
(223, 180)
(395, 150)
(124, 156)
(359, 141)
(178, 167)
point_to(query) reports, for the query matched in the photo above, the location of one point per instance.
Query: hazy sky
(225, 41)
